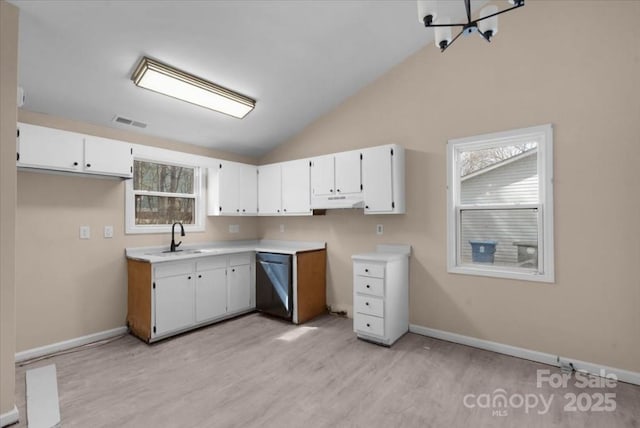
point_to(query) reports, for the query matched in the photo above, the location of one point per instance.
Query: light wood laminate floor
(243, 373)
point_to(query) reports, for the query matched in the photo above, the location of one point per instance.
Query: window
(162, 193)
(500, 204)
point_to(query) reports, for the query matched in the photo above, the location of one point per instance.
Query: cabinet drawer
(211, 263)
(239, 259)
(369, 305)
(369, 324)
(367, 285)
(171, 269)
(369, 269)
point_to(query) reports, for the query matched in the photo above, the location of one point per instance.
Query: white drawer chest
(381, 293)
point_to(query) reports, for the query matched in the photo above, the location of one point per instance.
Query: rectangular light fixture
(158, 77)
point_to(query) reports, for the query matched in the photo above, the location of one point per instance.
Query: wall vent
(124, 121)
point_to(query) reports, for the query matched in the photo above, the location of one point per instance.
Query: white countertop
(378, 257)
(385, 253)
(159, 254)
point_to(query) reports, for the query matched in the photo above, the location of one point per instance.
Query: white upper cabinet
(227, 188)
(336, 174)
(347, 173)
(107, 157)
(283, 188)
(336, 181)
(323, 176)
(47, 148)
(58, 150)
(295, 187)
(248, 191)
(383, 179)
(269, 190)
(232, 189)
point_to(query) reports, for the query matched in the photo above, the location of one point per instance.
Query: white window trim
(544, 136)
(154, 154)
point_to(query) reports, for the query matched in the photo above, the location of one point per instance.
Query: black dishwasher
(274, 288)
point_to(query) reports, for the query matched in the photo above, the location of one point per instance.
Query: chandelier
(486, 25)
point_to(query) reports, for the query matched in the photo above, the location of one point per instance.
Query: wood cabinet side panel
(139, 299)
(312, 284)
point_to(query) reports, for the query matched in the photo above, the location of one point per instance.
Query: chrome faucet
(173, 240)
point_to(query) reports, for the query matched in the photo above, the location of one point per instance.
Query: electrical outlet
(85, 232)
(108, 231)
(282, 228)
(234, 228)
(379, 229)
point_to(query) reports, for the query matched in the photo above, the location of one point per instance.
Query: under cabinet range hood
(337, 202)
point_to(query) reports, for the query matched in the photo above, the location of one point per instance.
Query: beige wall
(8, 91)
(67, 287)
(569, 63)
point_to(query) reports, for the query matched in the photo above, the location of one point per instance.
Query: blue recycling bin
(483, 251)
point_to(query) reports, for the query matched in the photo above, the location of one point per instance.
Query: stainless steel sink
(177, 253)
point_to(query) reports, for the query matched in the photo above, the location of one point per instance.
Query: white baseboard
(68, 344)
(11, 417)
(527, 354)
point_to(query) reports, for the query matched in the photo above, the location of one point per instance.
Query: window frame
(543, 135)
(166, 157)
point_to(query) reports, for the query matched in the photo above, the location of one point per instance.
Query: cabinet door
(347, 170)
(211, 294)
(107, 157)
(228, 181)
(174, 303)
(377, 179)
(47, 148)
(248, 189)
(322, 176)
(239, 282)
(269, 189)
(296, 187)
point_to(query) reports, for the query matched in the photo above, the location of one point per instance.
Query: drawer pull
(199, 276)
(368, 325)
(189, 277)
(368, 286)
(366, 303)
(366, 270)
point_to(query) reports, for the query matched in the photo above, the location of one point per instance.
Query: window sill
(162, 228)
(497, 272)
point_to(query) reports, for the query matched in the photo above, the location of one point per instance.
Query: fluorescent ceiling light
(166, 80)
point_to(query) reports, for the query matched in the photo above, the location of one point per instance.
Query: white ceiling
(298, 59)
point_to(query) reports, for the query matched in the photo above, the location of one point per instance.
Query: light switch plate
(108, 231)
(379, 229)
(85, 232)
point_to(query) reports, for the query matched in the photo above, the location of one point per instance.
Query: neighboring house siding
(514, 182)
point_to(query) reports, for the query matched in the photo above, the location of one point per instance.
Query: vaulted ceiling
(298, 59)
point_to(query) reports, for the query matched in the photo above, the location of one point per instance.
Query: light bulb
(442, 34)
(489, 26)
(426, 8)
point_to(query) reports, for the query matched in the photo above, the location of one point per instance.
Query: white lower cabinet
(174, 303)
(211, 294)
(205, 290)
(171, 297)
(239, 291)
(381, 294)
